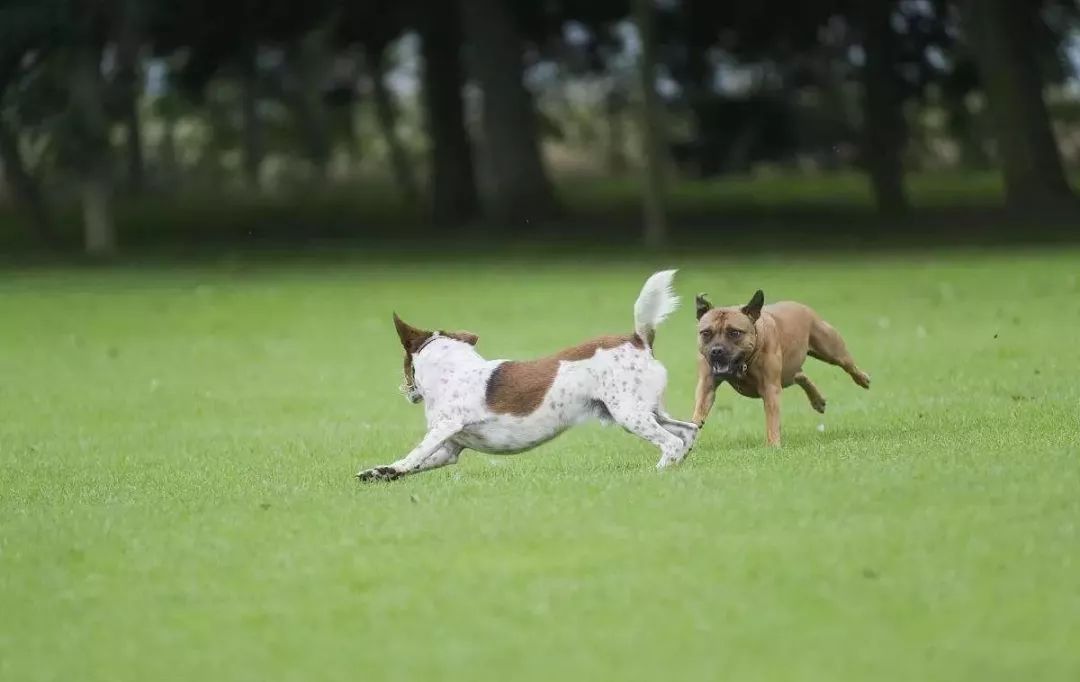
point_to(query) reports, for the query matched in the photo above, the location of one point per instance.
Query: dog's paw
(669, 461)
(691, 439)
(862, 379)
(818, 405)
(383, 473)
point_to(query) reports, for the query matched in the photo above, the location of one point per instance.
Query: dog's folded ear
(467, 337)
(753, 308)
(411, 337)
(703, 305)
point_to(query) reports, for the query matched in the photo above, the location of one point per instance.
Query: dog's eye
(706, 334)
(734, 334)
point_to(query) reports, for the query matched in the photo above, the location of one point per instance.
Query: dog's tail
(656, 301)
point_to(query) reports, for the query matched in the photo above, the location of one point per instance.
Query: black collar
(434, 335)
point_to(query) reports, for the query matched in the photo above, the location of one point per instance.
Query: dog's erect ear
(411, 337)
(753, 308)
(703, 305)
(467, 337)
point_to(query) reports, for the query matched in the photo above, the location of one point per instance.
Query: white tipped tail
(656, 301)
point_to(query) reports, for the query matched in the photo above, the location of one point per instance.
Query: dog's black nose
(717, 354)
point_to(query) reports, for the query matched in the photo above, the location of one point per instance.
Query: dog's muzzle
(725, 365)
(411, 393)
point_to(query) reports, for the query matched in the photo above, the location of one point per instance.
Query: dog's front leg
(771, 397)
(704, 396)
(433, 451)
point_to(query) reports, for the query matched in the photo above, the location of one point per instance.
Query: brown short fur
(762, 349)
(519, 387)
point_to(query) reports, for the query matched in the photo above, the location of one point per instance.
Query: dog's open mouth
(731, 369)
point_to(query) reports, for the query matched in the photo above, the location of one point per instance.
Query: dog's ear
(703, 305)
(753, 308)
(467, 337)
(411, 337)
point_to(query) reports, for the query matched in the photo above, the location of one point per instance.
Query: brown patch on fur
(519, 387)
(467, 337)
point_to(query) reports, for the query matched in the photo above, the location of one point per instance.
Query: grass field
(177, 445)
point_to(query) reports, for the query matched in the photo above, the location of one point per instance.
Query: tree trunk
(136, 168)
(128, 80)
(94, 163)
(963, 126)
(252, 133)
(516, 185)
(614, 106)
(454, 198)
(25, 186)
(169, 160)
(884, 132)
(386, 113)
(654, 215)
(98, 228)
(311, 63)
(1002, 33)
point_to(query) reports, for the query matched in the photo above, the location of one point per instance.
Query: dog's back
(794, 321)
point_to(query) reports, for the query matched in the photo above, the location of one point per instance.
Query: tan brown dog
(760, 350)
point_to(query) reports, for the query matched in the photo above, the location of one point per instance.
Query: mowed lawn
(177, 501)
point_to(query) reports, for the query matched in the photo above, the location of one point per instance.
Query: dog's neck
(441, 356)
(434, 336)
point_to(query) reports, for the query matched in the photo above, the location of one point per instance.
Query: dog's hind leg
(643, 423)
(686, 431)
(817, 401)
(827, 345)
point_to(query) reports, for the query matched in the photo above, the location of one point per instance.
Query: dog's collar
(434, 335)
(746, 362)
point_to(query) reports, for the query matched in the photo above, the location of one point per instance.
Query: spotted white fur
(623, 384)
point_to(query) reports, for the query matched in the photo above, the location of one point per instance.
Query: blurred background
(128, 123)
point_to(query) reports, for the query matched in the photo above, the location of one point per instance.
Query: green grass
(177, 447)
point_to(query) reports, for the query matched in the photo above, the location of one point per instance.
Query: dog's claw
(383, 473)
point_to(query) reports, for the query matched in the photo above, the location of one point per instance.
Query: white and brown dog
(507, 406)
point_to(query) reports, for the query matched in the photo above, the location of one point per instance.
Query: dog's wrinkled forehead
(720, 318)
(715, 318)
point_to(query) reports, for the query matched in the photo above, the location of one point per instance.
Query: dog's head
(727, 337)
(413, 341)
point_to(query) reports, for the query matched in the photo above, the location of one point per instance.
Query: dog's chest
(745, 386)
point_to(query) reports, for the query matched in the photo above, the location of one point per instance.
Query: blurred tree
(375, 25)
(386, 115)
(308, 61)
(126, 30)
(884, 133)
(517, 186)
(25, 31)
(232, 38)
(740, 69)
(1004, 35)
(615, 102)
(87, 149)
(453, 175)
(654, 215)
